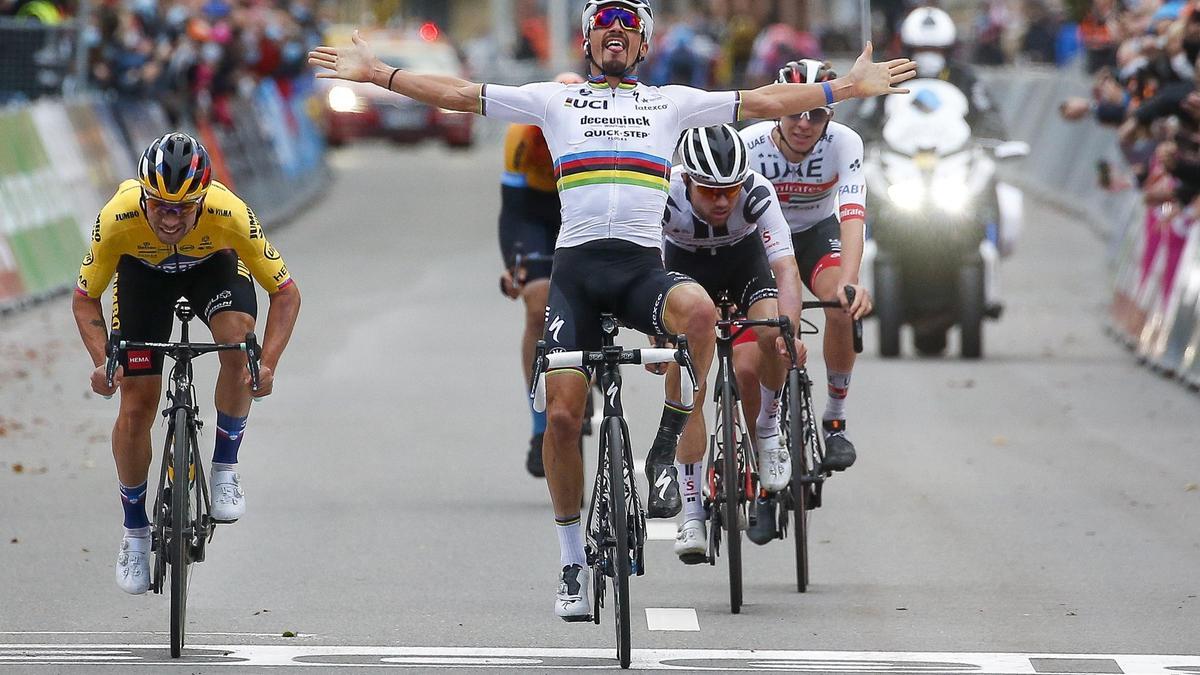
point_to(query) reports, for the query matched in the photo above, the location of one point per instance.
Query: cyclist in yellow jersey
(175, 232)
(529, 224)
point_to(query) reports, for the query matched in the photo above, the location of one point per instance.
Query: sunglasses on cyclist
(816, 116)
(606, 17)
(161, 207)
(712, 192)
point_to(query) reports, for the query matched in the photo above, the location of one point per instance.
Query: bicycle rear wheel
(798, 436)
(179, 540)
(615, 442)
(731, 483)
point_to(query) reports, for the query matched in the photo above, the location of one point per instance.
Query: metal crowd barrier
(1155, 274)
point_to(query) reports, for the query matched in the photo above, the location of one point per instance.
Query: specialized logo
(594, 104)
(663, 483)
(139, 359)
(555, 326)
(612, 394)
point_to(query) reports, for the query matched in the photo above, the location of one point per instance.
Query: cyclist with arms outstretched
(611, 140)
(815, 165)
(176, 232)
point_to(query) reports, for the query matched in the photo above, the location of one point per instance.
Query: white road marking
(242, 657)
(671, 618)
(661, 530)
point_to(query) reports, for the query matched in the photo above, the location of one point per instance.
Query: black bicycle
(182, 526)
(616, 524)
(804, 439)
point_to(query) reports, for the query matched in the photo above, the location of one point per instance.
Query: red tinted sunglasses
(609, 15)
(728, 191)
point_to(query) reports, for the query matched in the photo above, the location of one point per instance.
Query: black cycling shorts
(606, 276)
(739, 270)
(144, 301)
(532, 219)
(818, 248)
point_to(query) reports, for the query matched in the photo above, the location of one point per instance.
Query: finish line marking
(241, 657)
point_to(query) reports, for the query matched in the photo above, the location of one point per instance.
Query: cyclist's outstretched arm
(358, 63)
(865, 79)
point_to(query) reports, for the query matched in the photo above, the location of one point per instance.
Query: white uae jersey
(828, 181)
(756, 210)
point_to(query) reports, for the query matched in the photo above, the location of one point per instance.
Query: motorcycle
(936, 210)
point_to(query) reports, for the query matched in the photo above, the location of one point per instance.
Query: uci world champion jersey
(612, 148)
(756, 210)
(828, 181)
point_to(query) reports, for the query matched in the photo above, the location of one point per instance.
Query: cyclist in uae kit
(175, 232)
(815, 165)
(723, 227)
(611, 140)
(529, 224)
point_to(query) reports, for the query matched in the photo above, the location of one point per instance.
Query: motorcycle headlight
(950, 195)
(343, 99)
(907, 196)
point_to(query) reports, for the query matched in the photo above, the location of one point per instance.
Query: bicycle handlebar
(545, 362)
(116, 345)
(857, 325)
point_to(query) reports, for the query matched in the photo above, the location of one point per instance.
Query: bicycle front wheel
(798, 436)
(615, 443)
(731, 483)
(179, 540)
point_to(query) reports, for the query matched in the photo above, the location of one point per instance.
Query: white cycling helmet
(715, 156)
(640, 6)
(928, 27)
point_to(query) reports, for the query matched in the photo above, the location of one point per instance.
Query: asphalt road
(1042, 501)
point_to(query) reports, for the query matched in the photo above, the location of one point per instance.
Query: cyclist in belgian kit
(176, 232)
(529, 219)
(723, 227)
(611, 140)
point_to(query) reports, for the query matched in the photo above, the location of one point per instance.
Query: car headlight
(950, 195)
(343, 99)
(907, 196)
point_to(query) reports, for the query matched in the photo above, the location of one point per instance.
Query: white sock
(839, 389)
(137, 532)
(691, 480)
(570, 541)
(768, 412)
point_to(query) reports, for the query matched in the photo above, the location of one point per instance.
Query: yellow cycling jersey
(527, 160)
(226, 223)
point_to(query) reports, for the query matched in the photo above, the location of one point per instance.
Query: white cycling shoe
(228, 498)
(774, 463)
(691, 544)
(574, 599)
(133, 564)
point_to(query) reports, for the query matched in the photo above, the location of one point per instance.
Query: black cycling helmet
(714, 156)
(806, 71)
(175, 168)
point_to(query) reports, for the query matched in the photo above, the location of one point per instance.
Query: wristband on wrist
(828, 93)
(392, 77)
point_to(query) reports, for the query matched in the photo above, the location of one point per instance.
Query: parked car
(357, 109)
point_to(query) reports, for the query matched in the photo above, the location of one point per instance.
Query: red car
(358, 109)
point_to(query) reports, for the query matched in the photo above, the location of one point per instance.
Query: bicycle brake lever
(539, 358)
(253, 354)
(113, 350)
(857, 331)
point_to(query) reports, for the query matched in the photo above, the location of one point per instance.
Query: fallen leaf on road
(13, 541)
(288, 633)
(1000, 441)
(1191, 487)
(18, 468)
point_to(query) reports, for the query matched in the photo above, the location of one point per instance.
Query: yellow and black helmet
(175, 168)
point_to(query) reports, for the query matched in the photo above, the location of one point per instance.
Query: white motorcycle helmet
(928, 33)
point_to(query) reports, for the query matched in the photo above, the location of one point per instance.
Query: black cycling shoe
(663, 500)
(839, 451)
(762, 526)
(533, 461)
